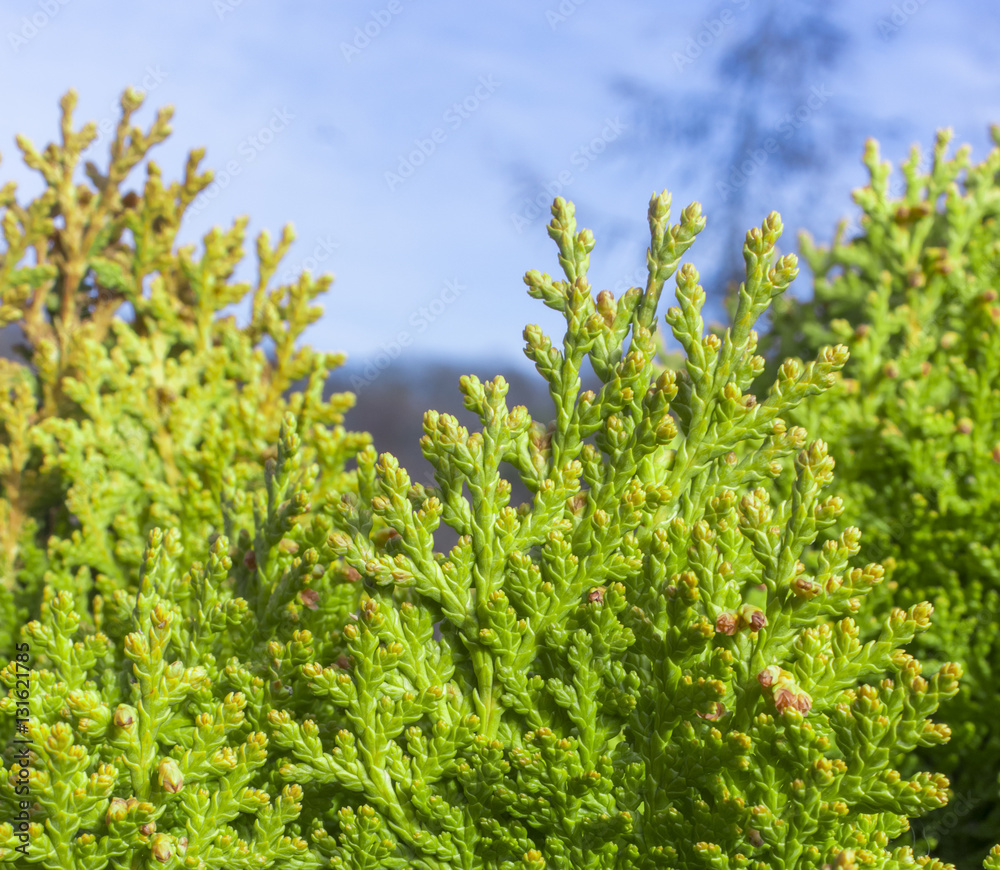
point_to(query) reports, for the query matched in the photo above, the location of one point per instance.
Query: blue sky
(408, 141)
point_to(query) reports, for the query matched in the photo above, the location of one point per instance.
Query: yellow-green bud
(125, 716)
(162, 847)
(170, 776)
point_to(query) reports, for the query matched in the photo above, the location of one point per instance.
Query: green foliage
(635, 670)
(111, 427)
(150, 729)
(913, 427)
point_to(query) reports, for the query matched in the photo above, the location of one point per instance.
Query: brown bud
(718, 711)
(148, 829)
(162, 848)
(767, 676)
(786, 698)
(753, 617)
(804, 587)
(577, 503)
(250, 560)
(171, 778)
(727, 623)
(596, 595)
(310, 598)
(125, 716)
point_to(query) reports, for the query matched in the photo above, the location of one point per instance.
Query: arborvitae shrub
(635, 669)
(914, 425)
(110, 427)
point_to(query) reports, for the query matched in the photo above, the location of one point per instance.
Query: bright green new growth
(635, 670)
(613, 687)
(913, 426)
(112, 427)
(150, 731)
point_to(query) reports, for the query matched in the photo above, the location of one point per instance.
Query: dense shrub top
(647, 665)
(914, 424)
